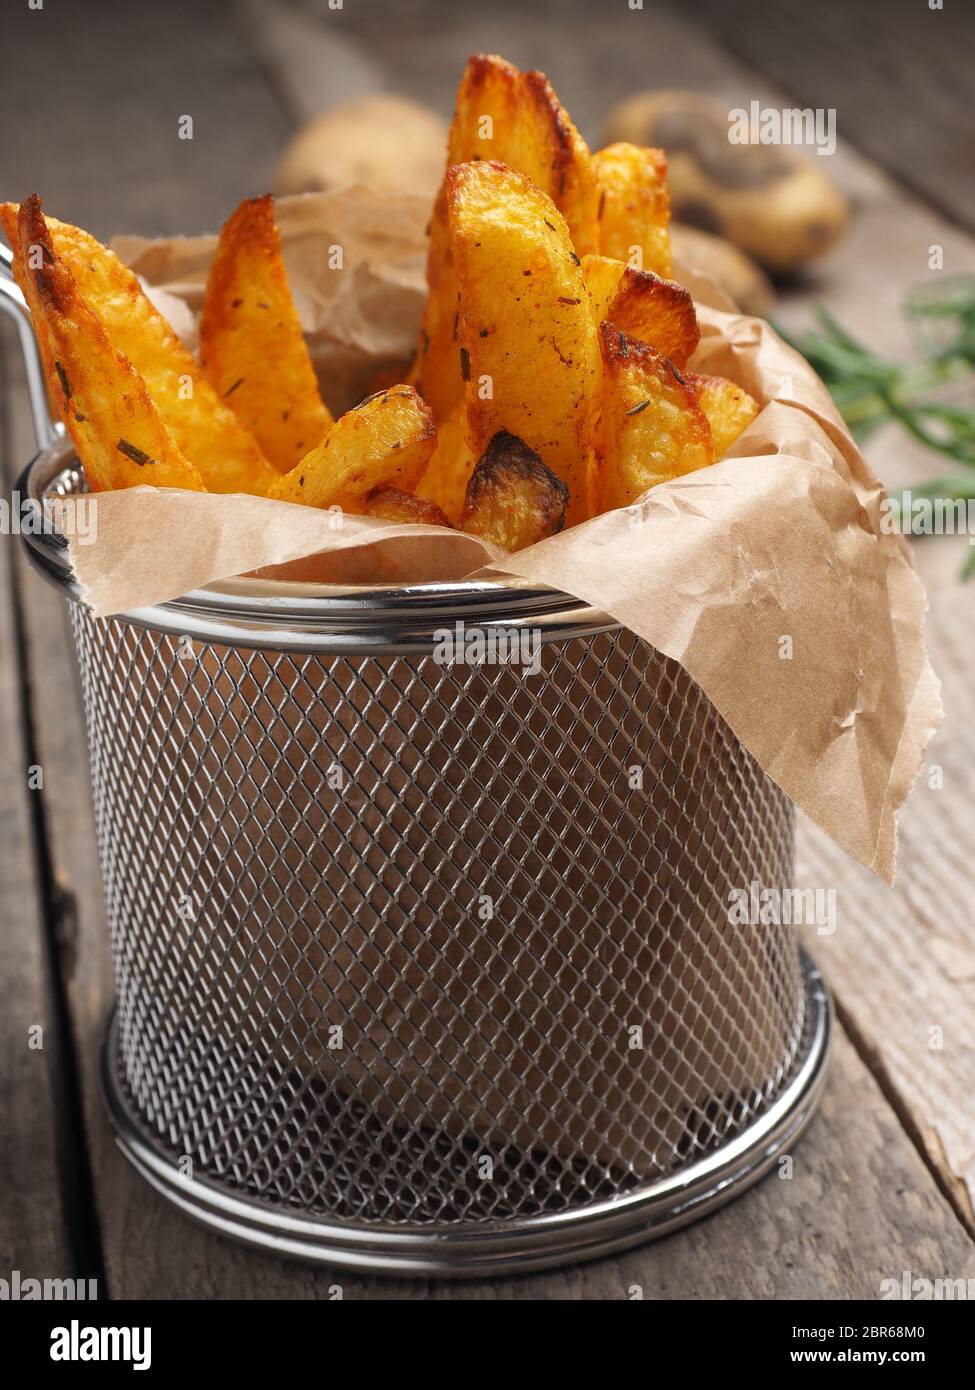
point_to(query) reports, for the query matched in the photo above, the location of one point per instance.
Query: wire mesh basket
(426, 966)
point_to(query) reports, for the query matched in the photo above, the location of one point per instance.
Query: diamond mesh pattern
(402, 942)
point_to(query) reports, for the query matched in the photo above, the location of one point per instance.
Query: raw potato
(656, 311)
(527, 336)
(515, 117)
(729, 409)
(742, 280)
(512, 498)
(445, 481)
(386, 441)
(774, 203)
(252, 349)
(118, 433)
(651, 427)
(634, 206)
(392, 504)
(388, 143)
(205, 430)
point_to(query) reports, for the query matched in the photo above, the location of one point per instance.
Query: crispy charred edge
(482, 67)
(647, 284)
(568, 145)
(507, 457)
(393, 504)
(482, 70)
(426, 427)
(621, 352)
(250, 223)
(8, 222)
(52, 281)
(642, 286)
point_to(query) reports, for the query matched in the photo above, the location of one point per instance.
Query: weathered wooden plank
(861, 1197)
(34, 1234)
(93, 116)
(898, 75)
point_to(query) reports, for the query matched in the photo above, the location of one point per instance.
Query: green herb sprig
(871, 390)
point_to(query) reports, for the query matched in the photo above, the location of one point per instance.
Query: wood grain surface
(884, 1180)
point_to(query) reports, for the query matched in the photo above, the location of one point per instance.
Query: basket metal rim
(288, 615)
(500, 1247)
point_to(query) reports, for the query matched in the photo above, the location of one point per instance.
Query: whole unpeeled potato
(777, 205)
(737, 274)
(388, 143)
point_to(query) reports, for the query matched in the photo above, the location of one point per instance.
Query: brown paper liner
(783, 539)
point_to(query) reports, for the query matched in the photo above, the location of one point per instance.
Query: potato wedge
(512, 498)
(252, 349)
(485, 120)
(205, 429)
(529, 347)
(385, 441)
(567, 174)
(501, 114)
(651, 427)
(645, 306)
(436, 370)
(634, 206)
(119, 435)
(602, 275)
(448, 472)
(393, 504)
(729, 409)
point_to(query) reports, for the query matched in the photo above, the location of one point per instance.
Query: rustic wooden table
(884, 1181)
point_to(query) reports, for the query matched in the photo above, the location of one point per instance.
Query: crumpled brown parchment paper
(767, 576)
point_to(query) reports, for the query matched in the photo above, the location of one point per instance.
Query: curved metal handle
(12, 302)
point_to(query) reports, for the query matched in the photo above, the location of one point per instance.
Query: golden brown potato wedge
(567, 173)
(651, 427)
(385, 441)
(485, 118)
(645, 306)
(435, 371)
(119, 435)
(512, 498)
(602, 275)
(205, 429)
(528, 343)
(634, 206)
(729, 409)
(252, 349)
(450, 467)
(515, 117)
(393, 504)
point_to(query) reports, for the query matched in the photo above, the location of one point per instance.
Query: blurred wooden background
(89, 109)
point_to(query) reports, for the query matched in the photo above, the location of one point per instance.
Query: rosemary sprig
(871, 390)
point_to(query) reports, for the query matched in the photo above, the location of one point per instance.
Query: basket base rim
(510, 1246)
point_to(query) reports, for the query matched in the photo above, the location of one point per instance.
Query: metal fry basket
(426, 967)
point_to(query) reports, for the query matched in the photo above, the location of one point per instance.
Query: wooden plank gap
(58, 919)
(928, 1146)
